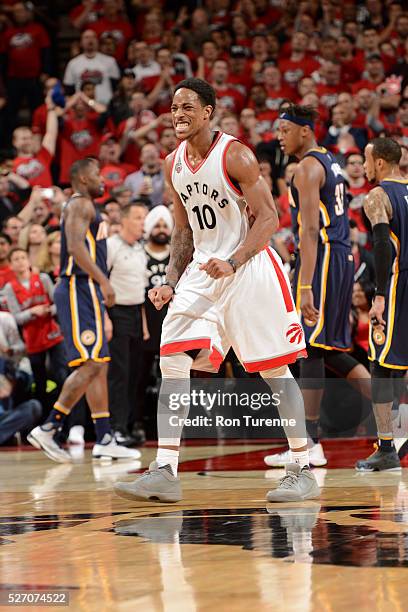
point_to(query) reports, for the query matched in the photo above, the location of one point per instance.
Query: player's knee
(176, 366)
(95, 368)
(275, 372)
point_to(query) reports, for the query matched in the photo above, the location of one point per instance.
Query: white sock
(166, 456)
(300, 457)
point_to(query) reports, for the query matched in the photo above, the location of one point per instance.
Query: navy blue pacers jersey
(334, 224)
(332, 282)
(79, 298)
(390, 348)
(95, 242)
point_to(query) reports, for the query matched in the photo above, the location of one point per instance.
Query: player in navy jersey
(81, 297)
(324, 269)
(386, 206)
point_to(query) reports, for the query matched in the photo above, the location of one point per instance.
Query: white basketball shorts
(252, 311)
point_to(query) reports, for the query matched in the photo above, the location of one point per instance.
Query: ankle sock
(386, 442)
(102, 427)
(167, 456)
(300, 457)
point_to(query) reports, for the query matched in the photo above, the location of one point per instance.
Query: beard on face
(161, 238)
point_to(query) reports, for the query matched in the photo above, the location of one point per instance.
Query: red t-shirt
(350, 72)
(121, 30)
(329, 94)
(265, 121)
(163, 102)
(230, 98)
(293, 71)
(23, 46)
(131, 155)
(276, 96)
(35, 168)
(242, 82)
(6, 276)
(113, 176)
(78, 138)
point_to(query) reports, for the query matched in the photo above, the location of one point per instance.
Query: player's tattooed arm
(181, 246)
(377, 206)
(378, 209)
(243, 167)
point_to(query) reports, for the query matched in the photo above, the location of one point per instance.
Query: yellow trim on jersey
(98, 319)
(402, 181)
(317, 149)
(372, 356)
(70, 265)
(78, 362)
(76, 336)
(323, 289)
(392, 301)
(92, 245)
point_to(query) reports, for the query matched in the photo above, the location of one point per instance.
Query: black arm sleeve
(382, 256)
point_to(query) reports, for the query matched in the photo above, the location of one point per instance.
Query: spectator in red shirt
(373, 75)
(240, 29)
(209, 54)
(260, 53)
(276, 92)
(80, 132)
(265, 118)
(6, 274)
(26, 46)
(228, 96)
(328, 89)
(198, 32)
(239, 70)
(357, 188)
(350, 72)
(113, 23)
(298, 64)
(31, 165)
(113, 171)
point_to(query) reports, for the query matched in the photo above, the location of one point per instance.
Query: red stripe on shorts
(283, 284)
(275, 362)
(182, 346)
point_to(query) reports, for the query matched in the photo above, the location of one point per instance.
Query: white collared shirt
(127, 264)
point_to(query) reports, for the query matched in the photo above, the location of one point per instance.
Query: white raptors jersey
(214, 205)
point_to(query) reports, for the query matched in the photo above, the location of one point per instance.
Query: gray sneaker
(156, 484)
(297, 485)
(380, 461)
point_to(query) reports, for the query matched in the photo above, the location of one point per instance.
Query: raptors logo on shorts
(294, 333)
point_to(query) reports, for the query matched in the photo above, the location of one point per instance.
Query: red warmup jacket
(40, 334)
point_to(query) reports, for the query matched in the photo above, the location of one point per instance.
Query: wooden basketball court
(223, 548)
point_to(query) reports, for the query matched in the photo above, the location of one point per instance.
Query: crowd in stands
(348, 60)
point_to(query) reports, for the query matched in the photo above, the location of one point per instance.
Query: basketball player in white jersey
(226, 288)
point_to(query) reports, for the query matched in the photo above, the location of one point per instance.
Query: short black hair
(204, 91)
(387, 149)
(80, 166)
(6, 237)
(302, 112)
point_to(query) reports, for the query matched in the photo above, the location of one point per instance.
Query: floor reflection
(308, 533)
